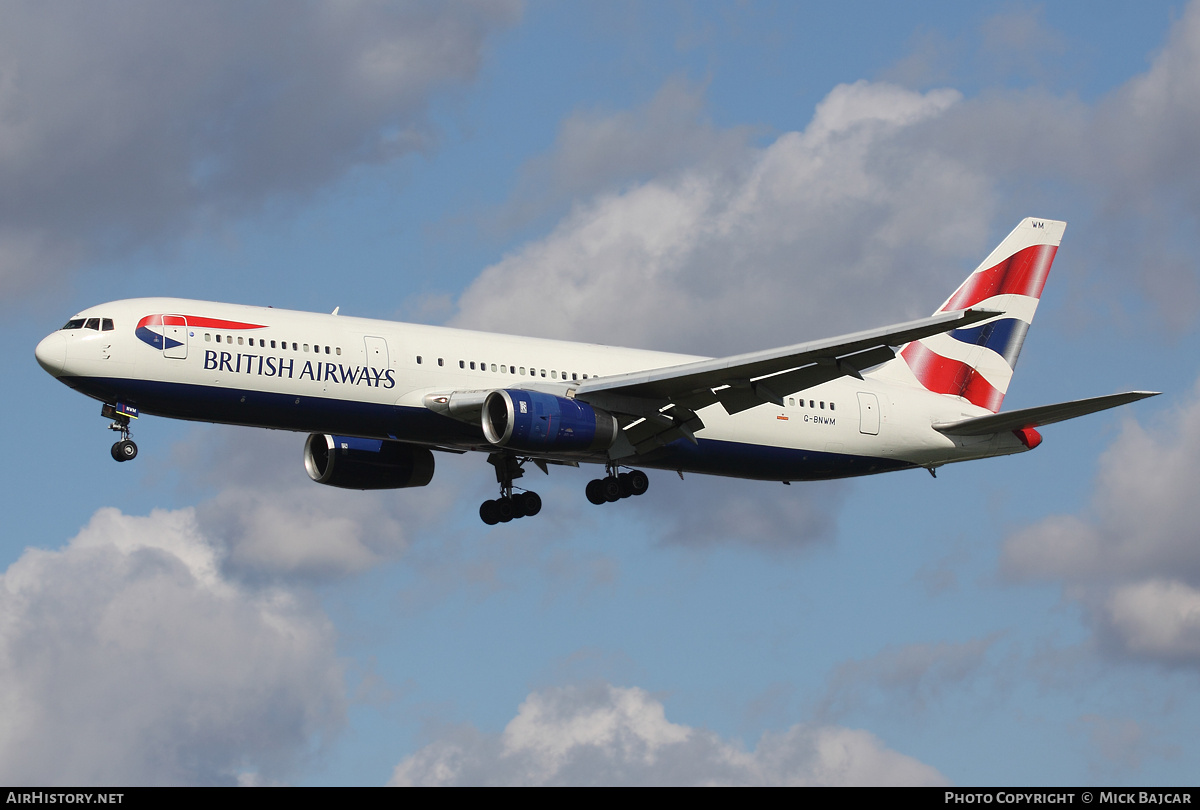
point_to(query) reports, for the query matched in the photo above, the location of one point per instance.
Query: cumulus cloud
(125, 124)
(270, 519)
(126, 657)
(605, 734)
(1131, 557)
(762, 250)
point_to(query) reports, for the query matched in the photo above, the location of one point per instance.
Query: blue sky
(701, 177)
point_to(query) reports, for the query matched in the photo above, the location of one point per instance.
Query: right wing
(748, 380)
(661, 403)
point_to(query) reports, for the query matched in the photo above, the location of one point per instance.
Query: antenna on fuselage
(335, 309)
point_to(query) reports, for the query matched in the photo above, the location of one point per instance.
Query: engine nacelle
(533, 422)
(342, 461)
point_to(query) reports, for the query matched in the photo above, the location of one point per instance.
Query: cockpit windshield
(98, 324)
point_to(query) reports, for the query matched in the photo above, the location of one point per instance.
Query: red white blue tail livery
(977, 363)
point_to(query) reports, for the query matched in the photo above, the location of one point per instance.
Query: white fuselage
(350, 376)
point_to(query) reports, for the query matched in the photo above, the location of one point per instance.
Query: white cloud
(127, 658)
(270, 519)
(816, 234)
(124, 125)
(1157, 618)
(1131, 557)
(611, 735)
(1142, 519)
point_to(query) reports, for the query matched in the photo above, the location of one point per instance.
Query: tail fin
(977, 363)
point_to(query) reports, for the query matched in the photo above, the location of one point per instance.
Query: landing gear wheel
(124, 450)
(638, 482)
(518, 506)
(489, 513)
(531, 503)
(595, 492)
(615, 486)
(505, 508)
(611, 488)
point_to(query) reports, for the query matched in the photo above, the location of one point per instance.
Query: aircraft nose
(51, 353)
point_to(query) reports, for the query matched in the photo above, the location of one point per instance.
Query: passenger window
(305, 347)
(461, 364)
(208, 337)
(441, 362)
(107, 325)
(418, 359)
(522, 371)
(218, 338)
(792, 401)
(543, 372)
(493, 366)
(472, 365)
(812, 404)
(831, 406)
(339, 351)
(822, 405)
(240, 341)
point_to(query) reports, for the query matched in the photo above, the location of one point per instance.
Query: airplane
(379, 398)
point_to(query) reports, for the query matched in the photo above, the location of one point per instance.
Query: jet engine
(349, 463)
(534, 422)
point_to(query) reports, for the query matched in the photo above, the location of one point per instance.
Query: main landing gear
(125, 449)
(509, 505)
(615, 486)
(512, 505)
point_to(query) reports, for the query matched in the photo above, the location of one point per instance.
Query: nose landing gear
(121, 414)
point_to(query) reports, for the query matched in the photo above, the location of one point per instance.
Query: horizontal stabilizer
(1041, 415)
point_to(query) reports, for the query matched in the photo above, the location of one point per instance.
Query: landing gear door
(868, 414)
(377, 353)
(175, 341)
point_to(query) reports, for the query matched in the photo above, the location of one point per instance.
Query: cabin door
(868, 414)
(175, 337)
(377, 353)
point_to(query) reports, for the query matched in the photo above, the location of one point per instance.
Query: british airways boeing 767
(379, 398)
